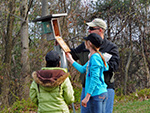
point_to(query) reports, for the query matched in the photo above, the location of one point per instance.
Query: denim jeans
(96, 104)
(110, 100)
(84, 109)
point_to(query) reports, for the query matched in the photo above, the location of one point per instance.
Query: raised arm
(80, 68)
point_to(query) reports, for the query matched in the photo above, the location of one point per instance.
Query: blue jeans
(110, 100)
(96, 104)
(84, 109)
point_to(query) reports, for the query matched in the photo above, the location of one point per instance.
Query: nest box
(50, 25)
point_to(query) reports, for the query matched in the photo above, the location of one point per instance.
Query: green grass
(138, 102)
(132, 107)
(23, 106)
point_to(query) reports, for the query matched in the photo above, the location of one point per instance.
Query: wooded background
(23, 48)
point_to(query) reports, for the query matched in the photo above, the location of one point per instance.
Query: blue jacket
(94, 69)
(81, 53)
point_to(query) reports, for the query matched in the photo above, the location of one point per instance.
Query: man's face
(94, 30)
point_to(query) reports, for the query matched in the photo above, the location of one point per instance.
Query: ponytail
(102, 58)
(100, 54)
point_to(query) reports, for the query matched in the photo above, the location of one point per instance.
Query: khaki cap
(97, 22)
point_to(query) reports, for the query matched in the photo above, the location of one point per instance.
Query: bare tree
(8, 52)
(129, 58)
(25, 76)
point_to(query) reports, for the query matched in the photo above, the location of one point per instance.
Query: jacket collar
(50, 77)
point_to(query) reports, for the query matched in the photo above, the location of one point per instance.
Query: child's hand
(85, 100)
(69, 58)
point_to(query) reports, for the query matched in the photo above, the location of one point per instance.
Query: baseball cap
(52, 56)
(95, 39)
(97, 22)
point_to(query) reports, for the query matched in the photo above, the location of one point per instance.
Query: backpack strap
(38, 88)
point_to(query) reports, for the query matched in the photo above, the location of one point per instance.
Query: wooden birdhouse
(50, 26)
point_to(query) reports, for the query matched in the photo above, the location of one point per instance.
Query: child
(51, 89)
(95, 87)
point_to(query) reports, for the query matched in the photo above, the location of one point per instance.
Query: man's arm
(75, 51)
(114, 61)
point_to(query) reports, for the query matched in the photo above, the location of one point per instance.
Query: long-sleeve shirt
(81, 53)
(94, 69)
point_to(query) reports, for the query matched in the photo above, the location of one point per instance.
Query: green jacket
(51, 90)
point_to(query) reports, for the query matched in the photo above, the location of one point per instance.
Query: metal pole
(63, 63)
(73, 108)
(63, 56)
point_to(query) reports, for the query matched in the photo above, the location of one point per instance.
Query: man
(99, 26)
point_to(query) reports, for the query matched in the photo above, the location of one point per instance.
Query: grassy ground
(130, 107)
(138, 102)
(119, 107)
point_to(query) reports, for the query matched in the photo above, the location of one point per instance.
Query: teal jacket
(94, 69)
(51, 90)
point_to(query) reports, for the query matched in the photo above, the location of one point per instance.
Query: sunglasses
(92, 28)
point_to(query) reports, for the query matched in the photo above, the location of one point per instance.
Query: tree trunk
(8, 54)
(44, 36)
(145, 61)
(108, 27)
(129, 58)
(44, 13)
(126, 71)
(25, 76)
(44, 7)
(144, 50)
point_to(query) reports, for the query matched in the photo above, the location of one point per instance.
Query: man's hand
(56, 43)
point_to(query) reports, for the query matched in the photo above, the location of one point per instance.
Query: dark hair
(52, 59)
(52, 64)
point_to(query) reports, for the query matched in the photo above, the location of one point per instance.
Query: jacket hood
(50, 77)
